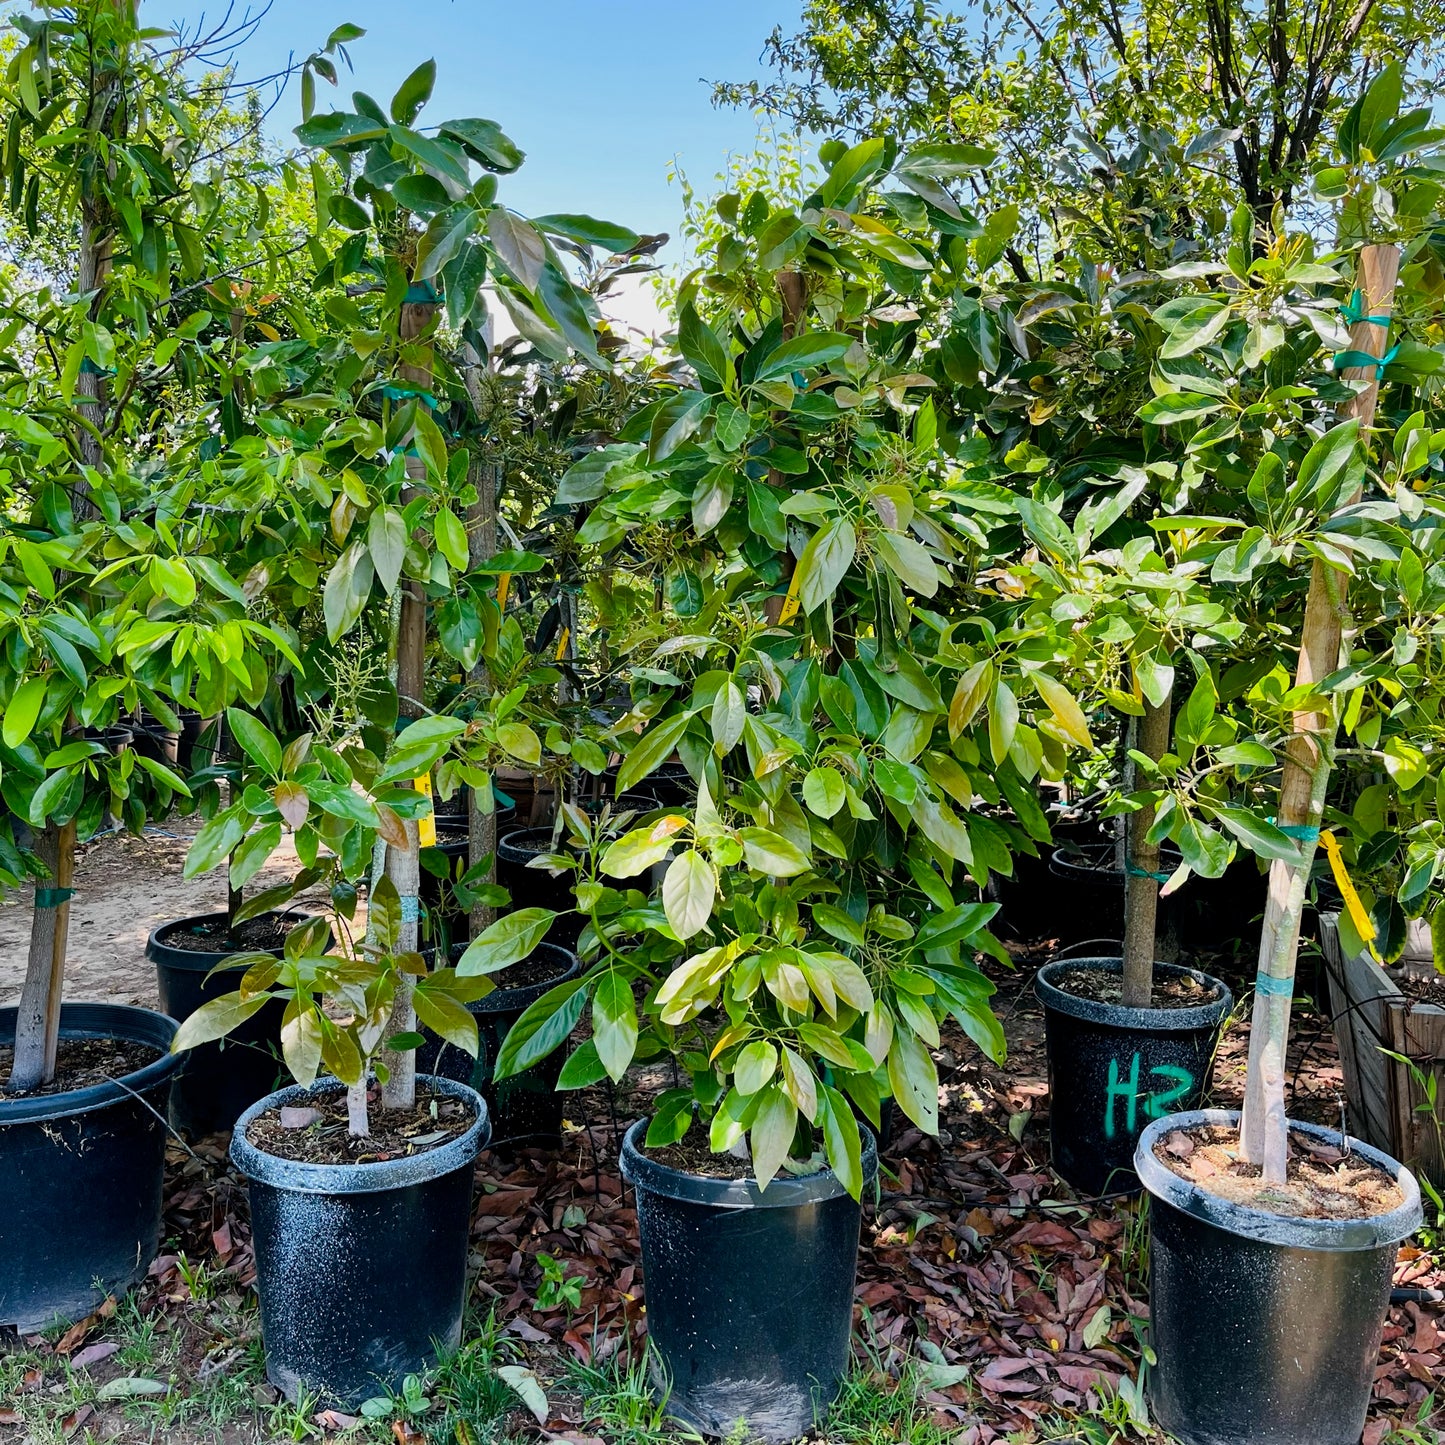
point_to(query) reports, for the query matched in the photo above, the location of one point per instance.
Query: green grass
(618, 1403)
(876, 1409)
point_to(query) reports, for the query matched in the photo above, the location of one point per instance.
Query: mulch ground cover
(975, 1254)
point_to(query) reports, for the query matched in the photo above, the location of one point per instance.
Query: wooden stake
(1309, 758)
(1141, 887)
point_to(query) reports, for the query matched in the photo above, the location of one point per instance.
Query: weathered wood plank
(1370, 1015)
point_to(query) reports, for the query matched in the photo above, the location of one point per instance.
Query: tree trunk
(1309, 758)
(403, 865)
(1141, 887)
(482, 812)
(37, 1021)
(486, 477)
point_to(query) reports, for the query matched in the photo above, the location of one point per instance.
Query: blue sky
(601, 94)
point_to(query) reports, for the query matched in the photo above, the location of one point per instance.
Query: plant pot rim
(785, 1192)
(1116, 1016)
(1262, 1226)
(1063, 864)
(120, 1021)
(508, 846)
(503, 1000)
(165, 954)
(296, 1177)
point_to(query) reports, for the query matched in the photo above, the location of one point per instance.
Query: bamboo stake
(403, 865)
(1141, 887)
(1305, 783)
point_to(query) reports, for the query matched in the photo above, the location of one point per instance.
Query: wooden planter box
(1370, 1014)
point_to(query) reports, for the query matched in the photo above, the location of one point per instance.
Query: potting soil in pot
(83, 1063)
(1322, 1181)
(319, 1133)
(256, 935)
(1170, 991)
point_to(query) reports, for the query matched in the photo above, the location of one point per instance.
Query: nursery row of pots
(361, 1267)
(1237, 1360)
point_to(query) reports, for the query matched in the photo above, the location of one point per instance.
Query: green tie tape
(1353, 311)
(1344, 360)
(53, 897)
(1267, 983)
(422, 293)
(1145, 873)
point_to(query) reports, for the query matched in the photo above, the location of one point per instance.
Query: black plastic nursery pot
(81, 1175)
(454, 843)
(525, 1109)
(361, 1268)
(1267, 1328)
(217, 1081)
(535, 887)
(1087, 902)
(749, 1292)
(1112, 1070)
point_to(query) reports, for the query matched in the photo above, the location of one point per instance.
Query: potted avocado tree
(382, 1204)
(116, 597)
(793, 937)
(1251, 1213)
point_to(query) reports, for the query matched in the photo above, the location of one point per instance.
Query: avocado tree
(411, 242)
(844, 705)
(116, 590)
(1276, 408)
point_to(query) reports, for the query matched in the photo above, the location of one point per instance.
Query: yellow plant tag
(426, 828)
(504, 585)
(790, 602)
(1364, 924)
(562, 643)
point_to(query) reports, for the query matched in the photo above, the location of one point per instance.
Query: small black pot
(1113, 1069)
(361, 1268)
(440, 901)
(535, 887)
(81, 1176)
(525, 1109)
(1266, 1328)
(749, 1292)
(218, 1081)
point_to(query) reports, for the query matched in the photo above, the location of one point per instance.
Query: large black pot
(535, 887)
(361, 1268)
(1266, 1328)
(454, 844)
(219, 1080)
(1113, 1069)
(81, 1176)
(749, 1292)
(1087, 888)
(525, 1109)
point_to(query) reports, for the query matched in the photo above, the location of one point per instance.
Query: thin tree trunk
(1305, 783)
(1141, 887)
(37, 1021)
(403, 865)
(482, 820)
(481, 546)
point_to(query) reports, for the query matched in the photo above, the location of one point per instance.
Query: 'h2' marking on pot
(1155, 1105)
